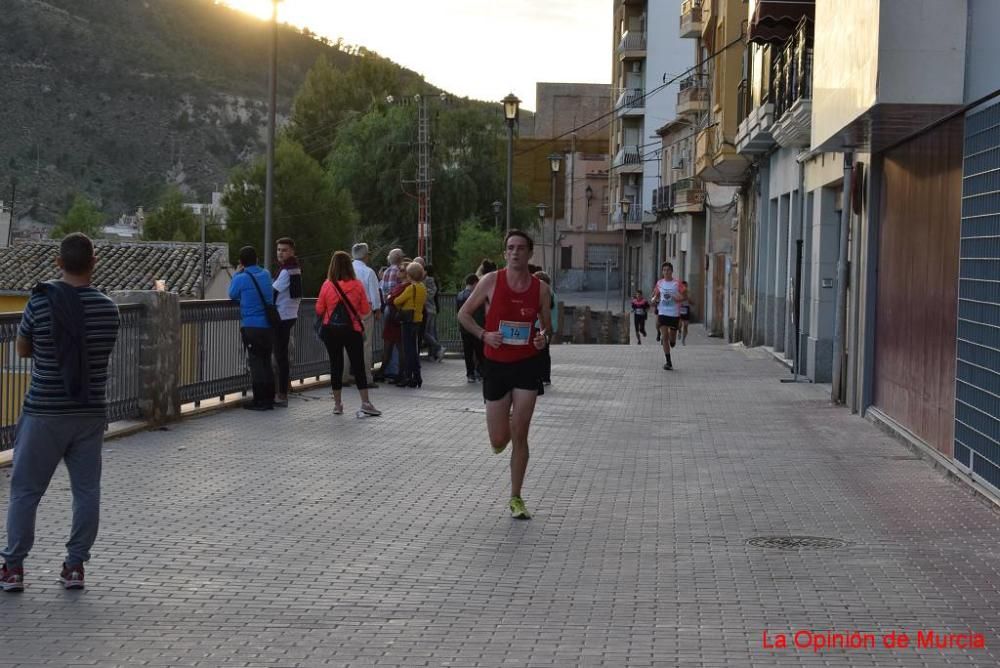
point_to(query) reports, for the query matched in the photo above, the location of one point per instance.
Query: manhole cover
(796, 542)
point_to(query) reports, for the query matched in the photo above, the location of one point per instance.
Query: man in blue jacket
(251, 287)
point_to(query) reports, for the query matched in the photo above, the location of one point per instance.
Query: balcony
(632, 45)
(688, 196)
(631, 102)
(754, 133)
(693, 97)
(791, 89)
(632, 221)
(628, 160)
(717, 161)
(691, 18)
(661, 199)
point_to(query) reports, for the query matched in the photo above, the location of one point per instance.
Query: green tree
(473, 244)
(308, 207)
(330, 98)
(172, 221)
(83, 217)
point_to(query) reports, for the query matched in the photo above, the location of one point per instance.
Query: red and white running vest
(513, 314)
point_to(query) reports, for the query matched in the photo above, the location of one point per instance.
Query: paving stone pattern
(300, 538)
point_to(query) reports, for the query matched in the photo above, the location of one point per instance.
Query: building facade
(647, 53)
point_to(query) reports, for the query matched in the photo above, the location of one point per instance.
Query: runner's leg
(520, 421)
(498, 421)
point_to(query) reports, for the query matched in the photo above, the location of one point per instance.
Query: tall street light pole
(511, 105)
(626, 207)
(273, 96)
(541, 225)
(589, 194)
(555, 161)
(497, 207)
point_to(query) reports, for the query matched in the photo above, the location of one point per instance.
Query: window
(567, 258)
(598, 254)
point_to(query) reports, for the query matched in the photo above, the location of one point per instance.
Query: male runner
(665, 296)
(512, 374)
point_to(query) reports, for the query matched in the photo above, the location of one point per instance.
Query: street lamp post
(497, 207)
(589, 194)
(269, 169)
(555, 161)
(510, 113)
(626, 206)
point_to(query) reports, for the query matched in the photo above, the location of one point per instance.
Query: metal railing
(791, 71)
(632, 40)
(688, 192)
(212, 359)
(627, 155)
(123, 372)
(630, 98)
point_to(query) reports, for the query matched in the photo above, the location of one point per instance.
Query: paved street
(302, 538)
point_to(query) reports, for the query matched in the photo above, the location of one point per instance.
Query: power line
(615, 110)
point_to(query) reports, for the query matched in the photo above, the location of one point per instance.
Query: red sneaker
(72, 576)
(11, 579)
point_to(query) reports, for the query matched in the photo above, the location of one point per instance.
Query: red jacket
(329, 298)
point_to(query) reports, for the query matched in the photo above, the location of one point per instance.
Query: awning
(774, 21)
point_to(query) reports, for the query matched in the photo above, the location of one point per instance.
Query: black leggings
(640, 325)
(337, 339)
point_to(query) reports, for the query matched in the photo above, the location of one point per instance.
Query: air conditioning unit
(678, 162)
(633, 179)
(637, 67)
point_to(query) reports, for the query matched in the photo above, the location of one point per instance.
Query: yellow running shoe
(517, 509)
(497, 451)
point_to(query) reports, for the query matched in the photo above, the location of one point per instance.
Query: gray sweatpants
(41, 443)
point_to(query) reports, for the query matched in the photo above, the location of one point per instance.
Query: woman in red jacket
(342, 304)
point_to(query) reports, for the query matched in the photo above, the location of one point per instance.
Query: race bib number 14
(515, 333)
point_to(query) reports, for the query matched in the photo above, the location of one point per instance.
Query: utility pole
(269, 184)
(10, 224)
(423, 180)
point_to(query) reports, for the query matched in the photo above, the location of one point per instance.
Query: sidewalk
(299, 538)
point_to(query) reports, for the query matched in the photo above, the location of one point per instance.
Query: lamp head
(626, 206)
(497, 206)
(589, 192)
(511, 105)
(541, 210)
(555, 160)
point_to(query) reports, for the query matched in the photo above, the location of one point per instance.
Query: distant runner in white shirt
(369, 279)
(666, 294)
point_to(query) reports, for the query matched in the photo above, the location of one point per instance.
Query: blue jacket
(243, 291)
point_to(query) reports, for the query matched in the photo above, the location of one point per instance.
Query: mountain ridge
(120, 98)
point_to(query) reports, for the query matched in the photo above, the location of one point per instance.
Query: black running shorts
(499, 378)
(670, 321)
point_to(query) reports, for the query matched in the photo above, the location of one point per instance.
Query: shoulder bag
(270, 310)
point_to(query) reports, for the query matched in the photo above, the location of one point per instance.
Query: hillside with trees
(120, 100)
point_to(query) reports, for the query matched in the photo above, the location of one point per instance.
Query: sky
(482, 49)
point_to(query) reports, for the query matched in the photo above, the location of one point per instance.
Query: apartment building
(868, 218)
(647, 54)
(717, 28)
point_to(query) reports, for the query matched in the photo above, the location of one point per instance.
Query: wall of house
(565, 106)
(921, 48)
(13, 303)
(845, 64)
(982, 49)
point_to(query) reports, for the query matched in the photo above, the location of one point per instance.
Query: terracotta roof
(131, 265)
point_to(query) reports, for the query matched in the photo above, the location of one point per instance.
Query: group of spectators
(403, 295)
